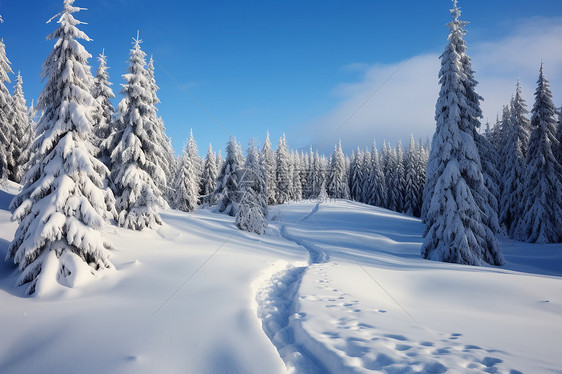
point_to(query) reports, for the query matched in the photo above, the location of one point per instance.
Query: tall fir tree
(337, 185)
(267, 158)
(195, 161)
(103, 118)
(513, 155)
(252, 213)
(541, 220)
(376, 190)
(63, 205)
(456, 228)
(23, 134)
(228, 191)
(163, 152)
(209, 178)
(411, 179)
(185, 184)
(135, 168)
(284, 172)
(7, 161)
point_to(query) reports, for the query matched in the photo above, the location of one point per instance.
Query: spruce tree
(268, 161)
(103, 117)
(228, 191)
(252, 213)
(513, 152)
(135, 168)
(456, 229)
(185, 184)
(63, 205)
(541, 219)
(411, 190)
(377, 184)
(337, 185)
(209, 178)
(163, 153)
(23, 134)
(7, 160)
(356, 176)
(284, 172)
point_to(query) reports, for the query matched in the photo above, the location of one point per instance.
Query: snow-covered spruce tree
(487, 194)
(185, 185)
(376, 190)
(163, 152)
(63, 205)
(337, 184)
(400, 177)
(456, 229)
(284, 172)
(513, 152)
(23, 134)
(195, 161)
(7, 161)
(365, 165)
(296, 191)
(252, 213)
(559, 135)
(228, 191)
(356, 176)
(541, 218)
(411, 191)
(103, 117)
(491, 192)
(135, 168)
(267, 159)
(209, 178)
(318, 175)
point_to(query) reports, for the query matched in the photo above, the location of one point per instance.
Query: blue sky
(302, 67)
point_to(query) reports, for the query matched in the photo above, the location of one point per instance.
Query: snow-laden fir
(136, 160)
(457, 211)
(64, 203)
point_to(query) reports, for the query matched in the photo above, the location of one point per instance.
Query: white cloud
(406, 103)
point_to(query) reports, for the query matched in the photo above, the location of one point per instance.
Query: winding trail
(277, 301)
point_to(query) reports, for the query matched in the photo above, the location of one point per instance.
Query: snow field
(199, 295)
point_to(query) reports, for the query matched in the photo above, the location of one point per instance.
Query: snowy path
(429, 318)
(277, 299)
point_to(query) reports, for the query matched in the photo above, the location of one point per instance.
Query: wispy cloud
(406, 104)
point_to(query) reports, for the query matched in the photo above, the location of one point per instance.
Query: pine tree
(63, 204)
(228, 191)
(356, 176)
(377, 184)
(163, 153)
(513, 152)
(337, 185)
(400, 177)
(103, 118)
(411, 190)
(296, 190)
(541, 219)
(196, 162)
(252, 214)
(23, 134)
(268, 161)
(318, 176)
(209, 178)
(7, 161)
(185, 185)
(284, 172)
(135, 168)
(456, 230)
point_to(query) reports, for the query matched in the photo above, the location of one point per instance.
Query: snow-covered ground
(333, 287)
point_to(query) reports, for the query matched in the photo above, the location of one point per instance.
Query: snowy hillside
(336, 287)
